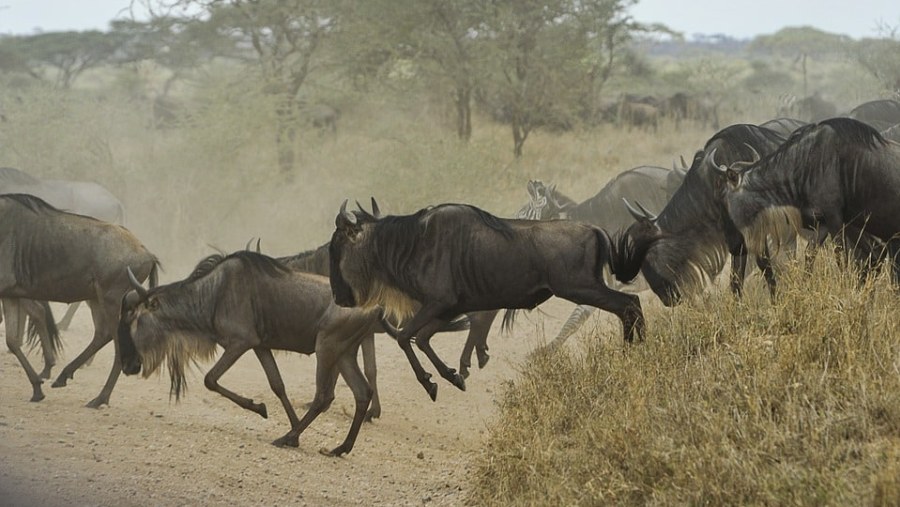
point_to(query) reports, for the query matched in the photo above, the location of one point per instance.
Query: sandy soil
(146, 450)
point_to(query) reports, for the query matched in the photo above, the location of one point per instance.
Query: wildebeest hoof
(458, 380)
(464, 372)
(97, 402)
(260, 408)
(60, 382)
(287, 441)
(38, 396)
(372, 414)
(431, 388)
(483, 360)
(334, 453)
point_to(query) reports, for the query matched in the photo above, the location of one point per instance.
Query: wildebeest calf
(247, 301)
(453, 259)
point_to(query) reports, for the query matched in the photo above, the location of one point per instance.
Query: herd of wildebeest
(749, 192)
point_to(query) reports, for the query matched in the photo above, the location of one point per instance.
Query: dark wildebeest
(687, 244)
(681, 106)
(783, 126)
(839, 177)
(81, 197)
(317, 262)
(453, 259)
(649, 185)
(880, 114)
(247, 301)
(50, 255)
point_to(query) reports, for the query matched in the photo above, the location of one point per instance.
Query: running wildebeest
(838, 176)
(686, 245)
(649, 185)
(50, 255)
(317, 262)
(880, 114)
(81, 197)
(452, 259)
(247, 301)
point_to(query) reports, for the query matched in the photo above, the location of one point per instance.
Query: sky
(737, 18)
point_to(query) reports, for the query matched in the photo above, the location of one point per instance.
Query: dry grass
(726, 403)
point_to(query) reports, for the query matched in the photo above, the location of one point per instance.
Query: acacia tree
(283, 39)
(69, 53)
(549, 57)
(881, 57)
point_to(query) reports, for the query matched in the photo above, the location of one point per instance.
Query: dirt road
(146, 450)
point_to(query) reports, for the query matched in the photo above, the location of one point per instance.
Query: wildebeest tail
(52, 330)
(509, 319)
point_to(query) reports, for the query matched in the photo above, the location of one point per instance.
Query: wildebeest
(880, 114)
(247, 301)
(649, 185)
(317, 262)
(681, 106)
(50, 255)
(839, 176)
(453, 259)
(812, 108)
(783, 126)
(81, 197)
(686, 245)
(637, 114)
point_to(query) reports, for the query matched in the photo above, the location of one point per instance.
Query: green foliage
(804, 40)
(69, 53)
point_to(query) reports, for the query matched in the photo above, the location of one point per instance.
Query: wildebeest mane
(694, 220)
(311, 261)
(847, 131)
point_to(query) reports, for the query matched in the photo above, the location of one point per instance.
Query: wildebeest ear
(734, 177)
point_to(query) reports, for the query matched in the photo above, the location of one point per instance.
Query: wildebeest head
(688, 243)
(150, 331)
(351, 262)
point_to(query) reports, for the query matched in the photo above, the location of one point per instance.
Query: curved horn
(375, 211)
(683, 164)
(756, 156)
(344, 217)
(365, 214)
(650, 216)
(634, 212)
(712, 159)
(257, 245)
(134, 282)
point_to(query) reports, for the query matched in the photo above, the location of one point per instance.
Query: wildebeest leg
(625, 306)
(101, 337)
(211, 380)
(276, 383)
(764, 262)
(738, 272)
(368, 352)
(15, 330)
(423, 341)
(326, 378)
(812, 247)
(67, 318)
(424, 316)
(479, 327)
(362, 393)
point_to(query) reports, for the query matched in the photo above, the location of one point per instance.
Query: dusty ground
(146, 450)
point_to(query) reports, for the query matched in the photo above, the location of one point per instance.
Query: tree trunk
(286, 134)
(464, 113)
(520, 133)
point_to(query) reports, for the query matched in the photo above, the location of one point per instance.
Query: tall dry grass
(726, 403)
